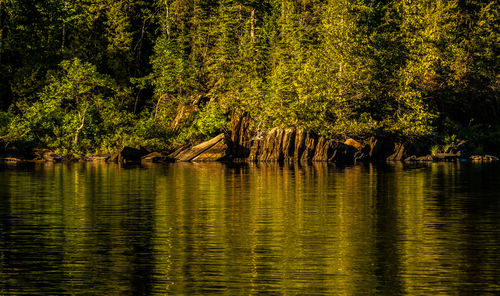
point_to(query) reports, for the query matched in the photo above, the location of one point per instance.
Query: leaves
(126, 70)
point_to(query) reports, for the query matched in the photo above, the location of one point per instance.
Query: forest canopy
(83, 76)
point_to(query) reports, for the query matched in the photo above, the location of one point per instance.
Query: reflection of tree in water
(249, 229)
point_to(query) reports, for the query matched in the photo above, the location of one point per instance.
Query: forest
(89, 76)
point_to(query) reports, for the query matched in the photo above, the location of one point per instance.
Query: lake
(217, 229)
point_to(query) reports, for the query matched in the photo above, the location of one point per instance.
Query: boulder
(215, 153)
(333, 151)
(212, 150)
(255, 149)
(277, 145)
(156, 157)
(11, 159)
(46, 155)
(459, 149)
(360, 156)
(300, 145)
(398, 152)
(309, 147)
(342, 153)
(129, 154)
(324, 150)
(272, 148)
(425, 158)
(414, 158)
(403, 150)
(483, 158)
(97, 158)
(476, 158)
(490, 158)
(353, 143)
(288, 144)
(446, 157)
(240, 135)
(378, 148)
(113, 157)
(174, 154)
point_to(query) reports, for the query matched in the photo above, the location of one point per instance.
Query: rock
(403, 150)
(240, 135)
(174, 154)
(113, 157)
(309, 147)
(425, 158)
(98, 158)
(333, 151)
(460, 149)
(212, 150)
(398, 152)
(215, 153)
(277, 145)
(324, 150)
(130, 154)
(483, 158)
(446, 157)
(255, 149)
(156, 157)
(11, 159)
(414, 158)
(342, 153)
(360, 156)
(476, 157)
(411, 159)
(378, 148)
(272, 148)
(288, 144)
(491, 158)
(299, 145)
(46, 155)
(353, 143)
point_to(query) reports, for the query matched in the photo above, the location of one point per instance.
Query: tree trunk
(80, 128)
(252, 26)
(166, 19)
(63, 36)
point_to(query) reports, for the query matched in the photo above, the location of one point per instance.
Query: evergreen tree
(182, 67)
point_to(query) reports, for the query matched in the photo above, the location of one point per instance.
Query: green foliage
(205, 123)
(85, 75)
(435, 149)
(444, 143)
(481, 138)
(77, 111)
(151, 131)
(210, 120)
(4, 122)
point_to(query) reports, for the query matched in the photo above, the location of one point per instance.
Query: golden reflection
(249, 229)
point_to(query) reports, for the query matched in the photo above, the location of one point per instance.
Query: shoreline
(279, 145)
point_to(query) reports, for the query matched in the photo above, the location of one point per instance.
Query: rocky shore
(277, 145)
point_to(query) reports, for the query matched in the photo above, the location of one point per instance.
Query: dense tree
(76, 110)
(171, 71)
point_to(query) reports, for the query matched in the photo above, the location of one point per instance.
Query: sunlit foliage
(173, 71)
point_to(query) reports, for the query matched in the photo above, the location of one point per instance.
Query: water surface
(215, 229)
